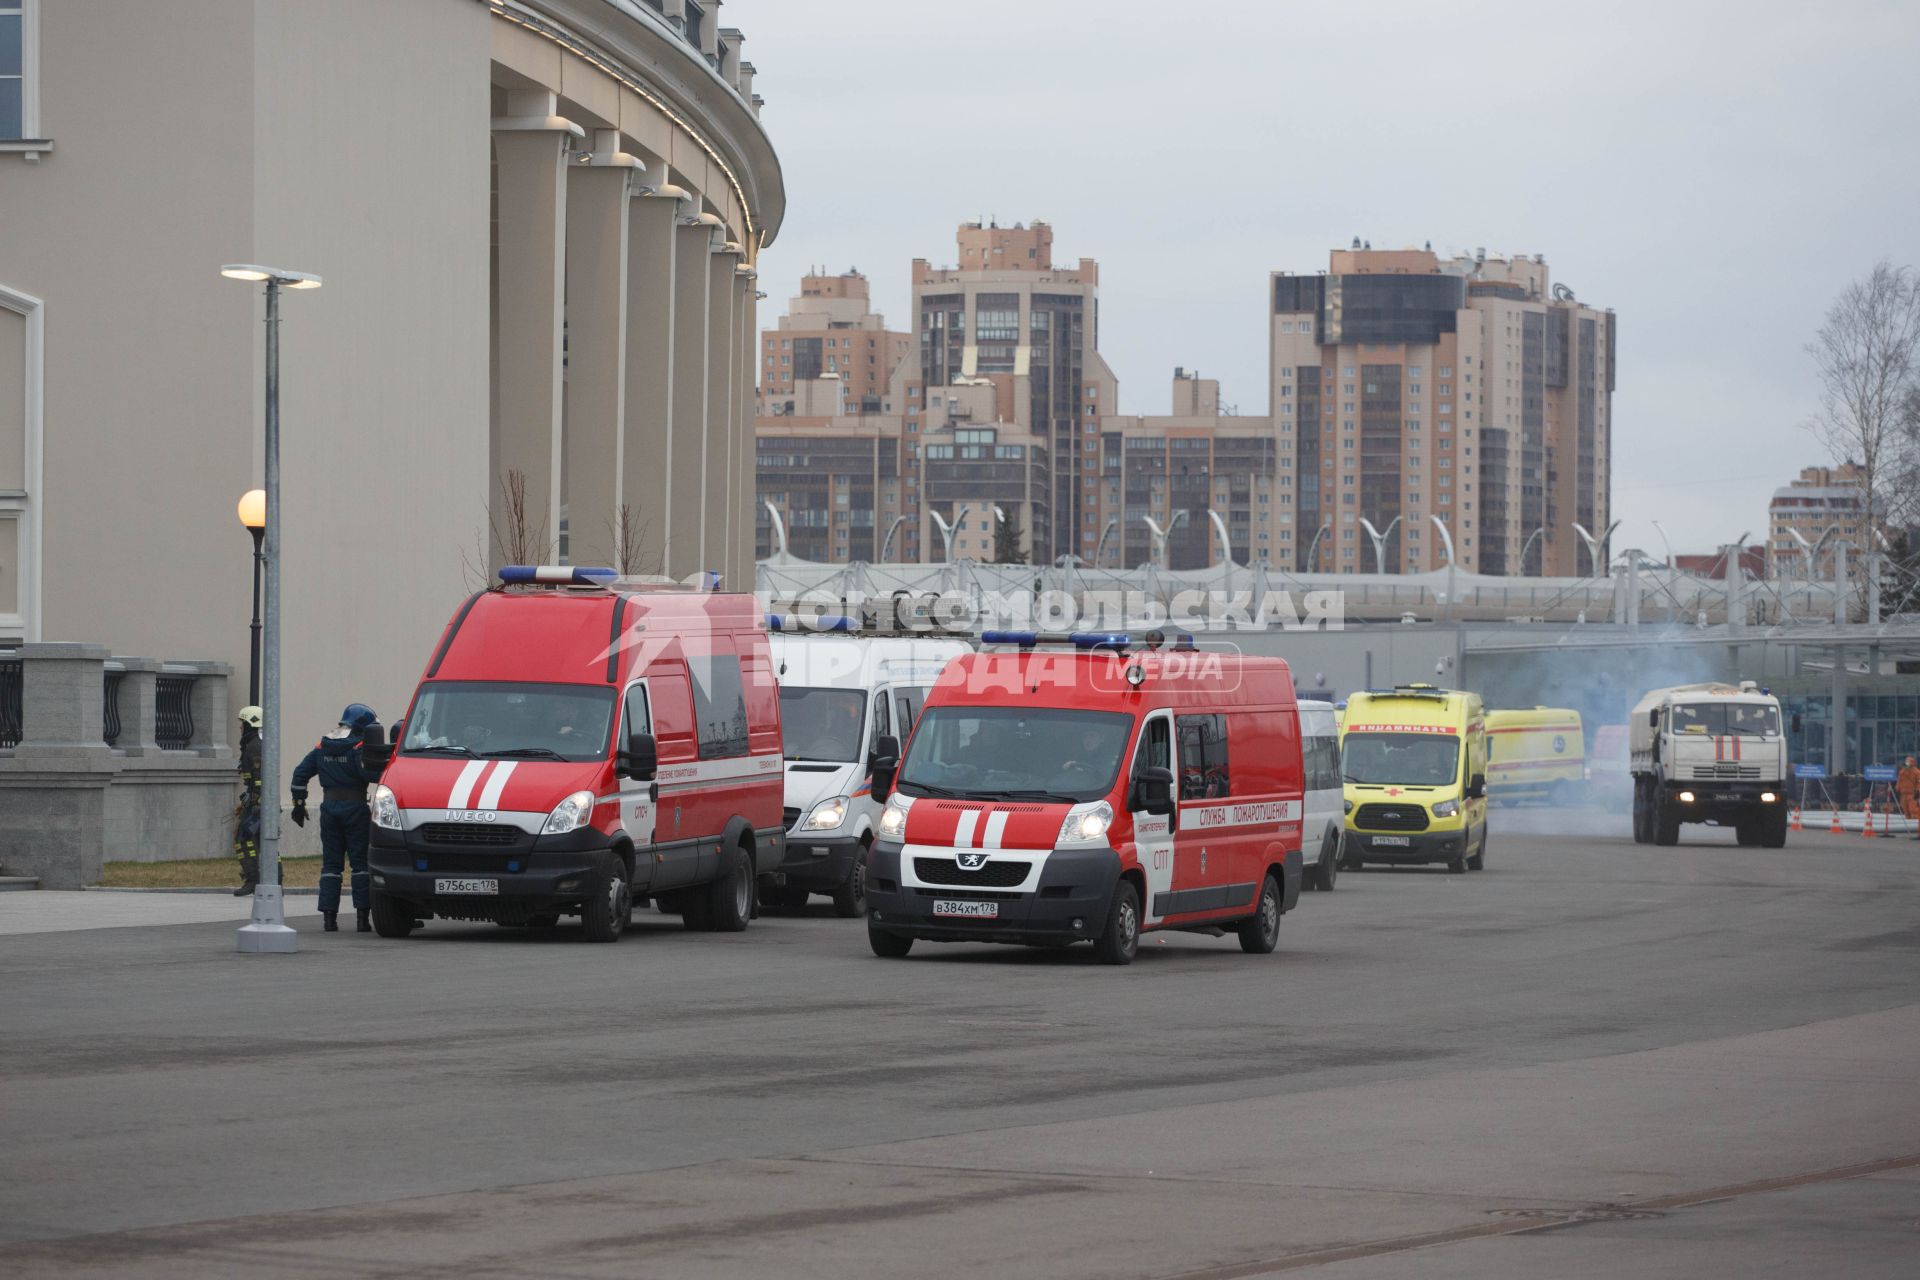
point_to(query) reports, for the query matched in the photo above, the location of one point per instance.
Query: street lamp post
(267, 932)
(253, 515)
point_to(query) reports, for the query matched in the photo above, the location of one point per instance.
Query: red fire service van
(576, 746)
(1087, 788)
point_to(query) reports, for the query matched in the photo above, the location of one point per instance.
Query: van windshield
(992, 752)
(821, 724)
(530, 721)
(1719, 719)
(1403, 759)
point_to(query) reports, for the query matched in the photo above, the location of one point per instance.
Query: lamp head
(254, 274)
(253, 508)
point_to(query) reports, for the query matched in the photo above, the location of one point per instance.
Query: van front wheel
(1260, 933)
(1328, 868)
(1121, 941)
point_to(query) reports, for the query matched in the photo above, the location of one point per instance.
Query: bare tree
(629, 537)
(1867, 354)
(512, 537)
(516, 538)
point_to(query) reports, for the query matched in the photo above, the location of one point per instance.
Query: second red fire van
(577, 746)
(1087, 788)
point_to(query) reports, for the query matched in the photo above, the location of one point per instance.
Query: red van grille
(949, 806)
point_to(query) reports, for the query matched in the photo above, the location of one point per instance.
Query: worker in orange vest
(1908, 789)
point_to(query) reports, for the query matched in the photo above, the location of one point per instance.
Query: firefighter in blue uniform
(347, 761)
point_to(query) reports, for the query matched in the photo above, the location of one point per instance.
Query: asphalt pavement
(1595, 1058)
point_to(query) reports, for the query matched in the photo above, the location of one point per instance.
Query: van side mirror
(883, 763)
(640, 760)
(1153, 791)
(1653, 718)
(1477, 787)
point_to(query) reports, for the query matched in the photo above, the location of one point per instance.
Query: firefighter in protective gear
(340, 761)
(246, 814)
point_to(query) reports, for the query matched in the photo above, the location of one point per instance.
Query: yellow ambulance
(1414, 763)
(1536, 754)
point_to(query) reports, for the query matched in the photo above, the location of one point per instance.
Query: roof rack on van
(795, 625)
(1119, 641)
(602, 578)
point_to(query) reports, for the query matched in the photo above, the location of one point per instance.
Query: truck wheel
(1746, 833)
(1665, 821)
(1478, 862)
(1260, 933)
(605, 913)
(1121, 940)
(729, 900)
(1327, 869)
(888, 946)
(850, 899)
(391, 917)
(1641, 834)
(1773, 829)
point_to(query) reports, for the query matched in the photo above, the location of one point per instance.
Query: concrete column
(207, 704)
(596, 382)
(139, 706)
(722, 355)
(62, 699)
(531, 146)
(1837, 726)
(647, 455)
(745, 507)
(686, 534)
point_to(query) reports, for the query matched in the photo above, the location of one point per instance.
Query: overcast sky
(1714, 172)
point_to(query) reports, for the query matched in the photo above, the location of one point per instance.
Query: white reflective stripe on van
(463, 785)
(703, 771)
(496, 783)
(996, 827)
(963, 833)
(1254, 814)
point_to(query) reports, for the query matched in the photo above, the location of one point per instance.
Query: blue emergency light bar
(1118, 640)
(799, 625)
(562, 575)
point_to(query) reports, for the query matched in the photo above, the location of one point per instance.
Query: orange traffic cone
(1868, 810)
(1794, 825)
(1836, 828)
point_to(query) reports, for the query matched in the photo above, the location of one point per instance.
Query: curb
(116, 888)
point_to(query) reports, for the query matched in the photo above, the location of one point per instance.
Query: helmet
(251, 716)
(358, 715)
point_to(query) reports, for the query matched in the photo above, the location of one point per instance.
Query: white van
(841, 693)
(1326, 824)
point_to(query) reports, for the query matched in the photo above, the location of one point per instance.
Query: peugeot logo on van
(972, 861)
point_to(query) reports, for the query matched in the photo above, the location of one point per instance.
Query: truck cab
(1709, 753)
(841, 694)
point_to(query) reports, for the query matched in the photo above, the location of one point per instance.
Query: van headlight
(570, 814)
(1446, 809)
(1349, 806)
(1086, 825)
(826, 815)
(893, 819)
(386, 810)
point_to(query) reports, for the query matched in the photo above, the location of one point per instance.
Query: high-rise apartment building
(1005, 318)
(1195, 459)
(830, 333)
(1823, 501)
(1407, 387)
